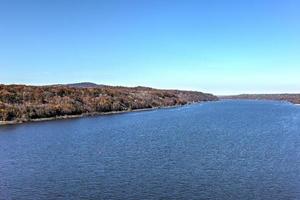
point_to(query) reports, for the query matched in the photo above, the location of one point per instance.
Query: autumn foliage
(23, 103)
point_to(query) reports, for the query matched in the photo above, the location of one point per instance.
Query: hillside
(21, 103)
(293, 98)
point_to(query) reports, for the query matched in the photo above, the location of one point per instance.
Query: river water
(217, 150)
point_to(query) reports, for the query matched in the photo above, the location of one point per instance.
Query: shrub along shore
(17, 121)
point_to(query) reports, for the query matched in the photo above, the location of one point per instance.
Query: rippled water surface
(218, 150)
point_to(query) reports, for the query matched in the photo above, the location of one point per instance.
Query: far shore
(2, 123)
(292, 98)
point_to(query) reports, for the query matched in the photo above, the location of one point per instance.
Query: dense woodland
(293, 98)
(24, 103)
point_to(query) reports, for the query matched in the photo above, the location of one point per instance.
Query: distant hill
(293, 98)
(84, 85)
(94, 85)
(24, 103)
(80, 85)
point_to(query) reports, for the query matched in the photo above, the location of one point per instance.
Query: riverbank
(292, 98)
(3, 123)
(19, 103)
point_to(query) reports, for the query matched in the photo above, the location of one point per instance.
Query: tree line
(23, 103)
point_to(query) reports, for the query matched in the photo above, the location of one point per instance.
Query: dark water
(220, 150)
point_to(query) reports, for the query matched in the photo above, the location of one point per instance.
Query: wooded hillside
(23, 103)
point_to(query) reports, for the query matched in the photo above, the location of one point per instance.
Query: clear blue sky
(218, 46)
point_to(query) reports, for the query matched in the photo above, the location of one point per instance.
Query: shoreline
(258, 99)
(4, 123)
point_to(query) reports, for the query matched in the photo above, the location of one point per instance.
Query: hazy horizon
(219, 47)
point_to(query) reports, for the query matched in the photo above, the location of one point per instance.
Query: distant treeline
(293, 98)
(24, 103)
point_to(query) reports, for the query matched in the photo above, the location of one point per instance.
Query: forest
(22, 103)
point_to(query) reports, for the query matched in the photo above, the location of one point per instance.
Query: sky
(216, 46)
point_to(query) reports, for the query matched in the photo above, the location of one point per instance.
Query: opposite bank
(292, 98)
(21, 103)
